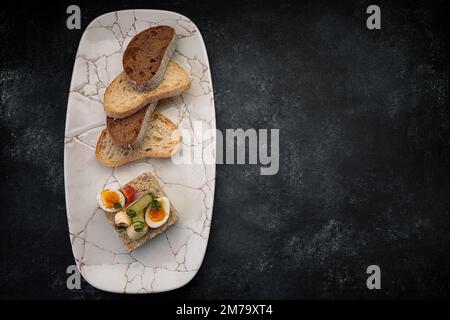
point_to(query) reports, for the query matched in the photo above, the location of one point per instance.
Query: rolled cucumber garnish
(138, 225)
(140, 205)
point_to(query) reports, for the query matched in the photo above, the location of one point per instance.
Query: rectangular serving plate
(172, 259)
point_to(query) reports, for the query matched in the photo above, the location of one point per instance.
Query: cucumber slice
(139, 205)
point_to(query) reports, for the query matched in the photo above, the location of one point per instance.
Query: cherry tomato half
(128, 192)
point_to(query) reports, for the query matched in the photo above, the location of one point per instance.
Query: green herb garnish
(120, 228)
(138, 226)
(155, 205)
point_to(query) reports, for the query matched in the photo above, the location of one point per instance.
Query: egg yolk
(110, 198)
(157, 215)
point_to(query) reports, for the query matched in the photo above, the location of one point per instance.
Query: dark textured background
(364, 149)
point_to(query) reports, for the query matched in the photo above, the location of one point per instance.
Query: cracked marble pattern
(173, 258)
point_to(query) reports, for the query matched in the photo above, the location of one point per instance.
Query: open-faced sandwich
(133, 130)
(139, 211)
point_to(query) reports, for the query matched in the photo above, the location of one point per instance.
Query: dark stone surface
(364, 149)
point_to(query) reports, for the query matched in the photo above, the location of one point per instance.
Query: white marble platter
(172, 259)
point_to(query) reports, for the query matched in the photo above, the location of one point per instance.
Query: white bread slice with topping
(162, 140)
(122, 99)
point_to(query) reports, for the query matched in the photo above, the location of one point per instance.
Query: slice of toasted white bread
(161, 140)
(122, 99)
(146, 182)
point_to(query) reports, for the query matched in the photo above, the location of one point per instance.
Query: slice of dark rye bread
(146, 182)
(131, 130)
(162, 140)
(146, 56)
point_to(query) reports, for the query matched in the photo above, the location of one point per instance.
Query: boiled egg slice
(156, 218)
(111, 200)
